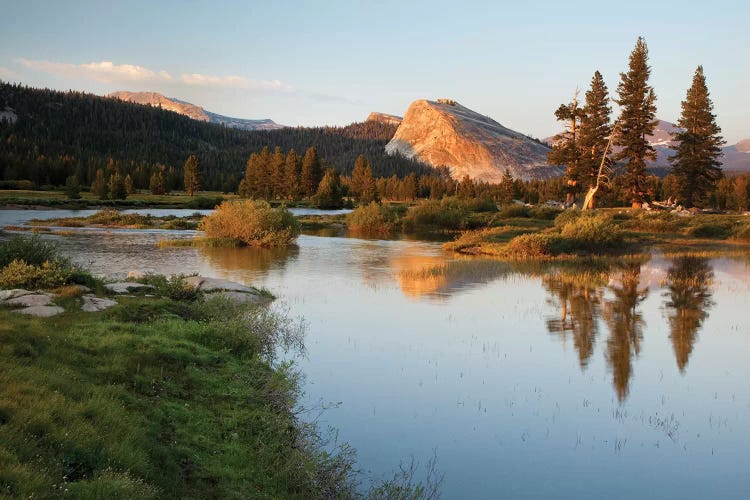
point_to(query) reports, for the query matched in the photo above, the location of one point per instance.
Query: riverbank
(608, 232)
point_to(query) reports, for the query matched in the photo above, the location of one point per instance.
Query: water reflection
(249, 258)
(578, 297)
(625, 322)
(688, 301)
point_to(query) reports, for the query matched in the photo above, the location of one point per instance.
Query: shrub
(252, 223)
(742, 232)
(205, 202)
(479, 204)
(448, 213)
(32, 250)
(533, 245)
(19, 274)
(372, 219)
(544, 213)
(655, 222)
(714, 230)
(592, 233)
(514, 211)
(173, 287)
(569, 215)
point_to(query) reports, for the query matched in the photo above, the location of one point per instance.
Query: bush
(32, 250)
(252, 223)
(713, 230)
(173, 287)
(372, 219)
(655, 222)
(514, 211)
(19, 274)
(570, 215)
(544, 213)
(448, 213)
(533, 245)
(742, 232)
(592, 233)
(205, 202)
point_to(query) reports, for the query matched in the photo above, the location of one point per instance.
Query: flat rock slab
(238, 297)
(96, 304)
(31, 300)
(41, 311)
(126, 286)
(214, 285)
(12, 294)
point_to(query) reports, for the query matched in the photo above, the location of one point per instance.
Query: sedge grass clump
(372, 219)
(32, 250)
(252, 223)
(712, 230)
(741, 232)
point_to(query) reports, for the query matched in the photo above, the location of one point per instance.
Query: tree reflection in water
(625, 324)
(579, 297)
(688, 301)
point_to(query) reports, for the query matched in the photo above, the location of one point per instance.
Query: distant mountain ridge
(193, 111)
(445, 133)
(736, 157)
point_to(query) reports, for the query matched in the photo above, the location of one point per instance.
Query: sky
(330, 62)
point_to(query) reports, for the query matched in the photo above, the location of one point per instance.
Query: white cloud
(7, 74)
(108, 72)
(103, 71)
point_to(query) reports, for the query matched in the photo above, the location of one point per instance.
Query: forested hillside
(59, 134)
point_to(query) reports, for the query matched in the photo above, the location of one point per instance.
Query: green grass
(178, 199)
(152, 398)
(114, 219)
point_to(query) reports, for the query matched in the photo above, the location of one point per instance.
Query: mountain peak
(445, 133)
(191, 110)
(384, 118)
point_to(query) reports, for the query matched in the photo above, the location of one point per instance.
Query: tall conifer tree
(696, 161)
(636, 122)
(566, 149)
(191, 177)
(595, 129)
(312, 172)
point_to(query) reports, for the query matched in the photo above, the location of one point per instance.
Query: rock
(384, 118)
(136, 275)
(126, 286)
(42, 311)
(31, 300)
(213, 285)
(91, 303)
(239, 297)
(11, 294)
(446, 133)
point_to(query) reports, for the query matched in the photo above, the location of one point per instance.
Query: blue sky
(332, 62)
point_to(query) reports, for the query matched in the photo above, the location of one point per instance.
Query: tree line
(62, 134)
(592, 147)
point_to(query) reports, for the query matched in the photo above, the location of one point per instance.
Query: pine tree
(129, 189)
(156, 183)
(566, 149)
(359, 174)
(72, 188)
(696, 161)
(116, 186)
(595, 130)
(191, 175)
(292, 170)
(507, 187)
(277, 173)
(329, 194)
(99, 186)
(312, 172)
(636, 122)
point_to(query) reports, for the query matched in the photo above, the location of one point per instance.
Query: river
(625, 381)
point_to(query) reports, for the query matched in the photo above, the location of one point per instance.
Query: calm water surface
(528, 381)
